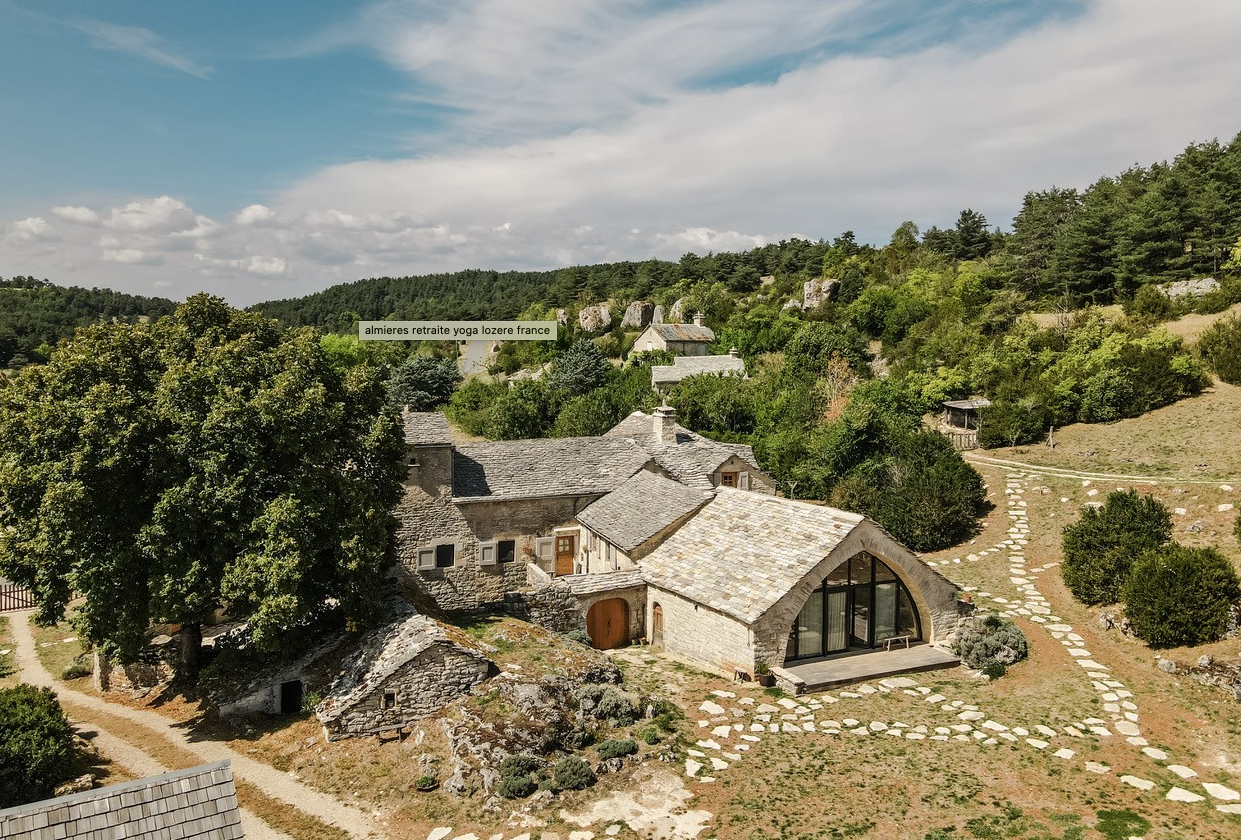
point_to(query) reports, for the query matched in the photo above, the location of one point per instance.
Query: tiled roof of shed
(593, 584)
(683, 366)
(744, 551)
(692, 459)
(641, 508)
(426, 428)
(532, 469)
(683, 332)
(198, 803)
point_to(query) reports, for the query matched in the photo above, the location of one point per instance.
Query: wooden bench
(892, 640)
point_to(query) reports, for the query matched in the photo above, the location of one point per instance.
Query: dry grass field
(1188, 327)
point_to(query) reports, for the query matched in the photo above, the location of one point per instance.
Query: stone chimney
(698, 319)
(734, 353)
(665, 424)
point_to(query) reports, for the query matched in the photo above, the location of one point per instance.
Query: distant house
(964, 414)
(679, 339)
(666, 376)
(198, 803)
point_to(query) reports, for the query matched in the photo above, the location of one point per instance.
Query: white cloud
(35, 229)
(131, 256)
(139, 42)
(78, 215)
(587, 133)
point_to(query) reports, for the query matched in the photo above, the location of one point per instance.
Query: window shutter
(612, 556)
(426, 558)
(743, 481)
(487, 553)
(544, 547)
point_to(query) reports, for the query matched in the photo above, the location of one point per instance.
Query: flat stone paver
(1220, 792)
(1155, 753)
(1183, 771)
(439, 833)
(1140, 784)
(1181, 795)
(1096, 767)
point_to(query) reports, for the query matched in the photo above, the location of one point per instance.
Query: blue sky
(261, 150)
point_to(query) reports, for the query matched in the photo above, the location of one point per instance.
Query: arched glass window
(859, 605)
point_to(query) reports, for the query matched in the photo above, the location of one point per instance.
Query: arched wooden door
(657, 625)
(607, 622)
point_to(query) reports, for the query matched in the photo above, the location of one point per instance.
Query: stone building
(631, 521)
(679, 339)
(480, 520)
(751, 579)
(964, 414)
(666, 376)
(405, 671)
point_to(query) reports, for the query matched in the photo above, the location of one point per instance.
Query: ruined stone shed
(406, 671)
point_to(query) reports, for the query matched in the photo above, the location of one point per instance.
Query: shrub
(990, 644)
(1150, 305)
(36, 745)
(1101, 547)
(650, 735)
(617, 748)
(517, 776)
(573, 774)
(581, 637)
(83, 665)
(1220, 348)
(426, 783)
(1009, 424)
(616, 708)
(1180, 596)
(580, 369)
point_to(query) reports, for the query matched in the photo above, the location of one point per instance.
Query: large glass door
(859, 625)
(837, 611)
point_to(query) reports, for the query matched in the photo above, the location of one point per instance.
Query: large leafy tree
(212, 458)
(1101, 547)
(580, 369)
(423, 382)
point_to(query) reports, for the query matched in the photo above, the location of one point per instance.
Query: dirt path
(1062, 472)
(270, 781)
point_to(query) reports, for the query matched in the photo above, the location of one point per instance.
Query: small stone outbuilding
(404, 672)
(964, 414)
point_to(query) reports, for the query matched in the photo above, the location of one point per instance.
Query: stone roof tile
(641, 508)
(683, 332)
(691, 459)
(531, 469)
(743, 552)
(426, 428)
(683, 366)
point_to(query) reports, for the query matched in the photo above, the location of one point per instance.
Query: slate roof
(382, 655)
(683, 366)
(692, 459)
(593, 584)
(744, 551)
(426, 428)
(683, 332)
(967, 404)
(641, 508)
(535, 469)
(198, 803)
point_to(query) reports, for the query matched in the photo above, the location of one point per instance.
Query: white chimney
(734, 352)
(698, 319)
(665, 424)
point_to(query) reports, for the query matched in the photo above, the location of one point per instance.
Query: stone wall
(552, 607)
(426, 520)
(149, 672)
(700, 633)
(420, 688)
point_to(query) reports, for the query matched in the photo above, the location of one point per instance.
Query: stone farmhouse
(652, 532)
(679, 339)
(666, 376)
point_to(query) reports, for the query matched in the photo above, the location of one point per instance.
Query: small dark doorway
(291, 697)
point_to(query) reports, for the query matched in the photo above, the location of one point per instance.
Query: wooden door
(607, 622)
(566, 548)
(657, 625)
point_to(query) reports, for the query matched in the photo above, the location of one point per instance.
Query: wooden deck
(857, 666)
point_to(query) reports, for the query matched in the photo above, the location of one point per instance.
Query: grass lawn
(7, 677)
(58, 648)
(1192, 439)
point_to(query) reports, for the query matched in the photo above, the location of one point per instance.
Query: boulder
(657, 314)
(676, 312)
(1190, 288)
(818, 291)
(79, 785)
(562, 317)
(767, 279)
(637, 315)
(595, 318)
(793, 303)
